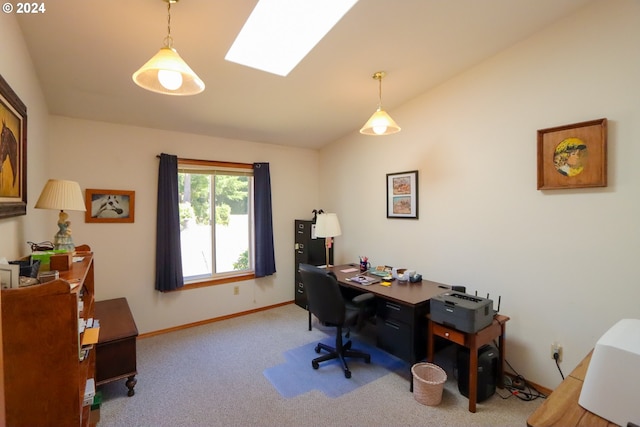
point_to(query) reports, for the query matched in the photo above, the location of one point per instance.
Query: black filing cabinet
(308, 250)
(400, 329)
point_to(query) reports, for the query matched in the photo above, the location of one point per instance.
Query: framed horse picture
(109, 205)
(13, 153)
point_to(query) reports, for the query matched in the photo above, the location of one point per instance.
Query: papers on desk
(363, 280)
(349, 270)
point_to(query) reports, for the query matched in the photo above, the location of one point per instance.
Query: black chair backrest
(323, 294)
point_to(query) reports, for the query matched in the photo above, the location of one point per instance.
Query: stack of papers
(363, 280)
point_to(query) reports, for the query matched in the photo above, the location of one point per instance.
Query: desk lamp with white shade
(327, 226)
(64, 196)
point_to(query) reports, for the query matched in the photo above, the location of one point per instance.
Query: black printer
(466, 313)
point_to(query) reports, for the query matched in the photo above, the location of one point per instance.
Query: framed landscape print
(13, 153)
(402, 195)
(573, 156)
(109, 205)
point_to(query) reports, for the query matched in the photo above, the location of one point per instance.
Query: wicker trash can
(428, 383)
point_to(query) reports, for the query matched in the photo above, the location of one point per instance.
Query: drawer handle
(446, 334)
(393, 306)
(394, 326)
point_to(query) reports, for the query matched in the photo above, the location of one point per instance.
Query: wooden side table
(473, 341)
(116, 348)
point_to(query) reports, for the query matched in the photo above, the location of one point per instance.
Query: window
(216, 220)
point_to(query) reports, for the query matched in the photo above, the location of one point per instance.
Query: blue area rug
(296, 376)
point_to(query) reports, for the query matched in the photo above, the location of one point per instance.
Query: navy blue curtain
(265, 256)
(168, 251)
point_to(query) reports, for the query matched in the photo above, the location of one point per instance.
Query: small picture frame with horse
(13, 153)
(109, 205)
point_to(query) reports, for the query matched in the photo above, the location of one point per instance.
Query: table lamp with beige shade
(64, 196)
(328, 226)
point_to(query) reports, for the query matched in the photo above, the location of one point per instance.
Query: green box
(45, 257)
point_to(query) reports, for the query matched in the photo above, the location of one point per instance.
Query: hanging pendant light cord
(380, 93)
(168, 41)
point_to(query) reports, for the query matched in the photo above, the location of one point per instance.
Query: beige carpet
(212, 375)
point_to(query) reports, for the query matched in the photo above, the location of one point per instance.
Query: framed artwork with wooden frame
(109, 205)
(402, 195)
(573, 156)
(13, 153)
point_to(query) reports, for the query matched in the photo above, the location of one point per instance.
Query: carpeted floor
(214, 375)
(294, 377)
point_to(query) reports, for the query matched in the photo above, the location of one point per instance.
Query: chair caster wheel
(315, 365)
(347, 374)
(318, 349)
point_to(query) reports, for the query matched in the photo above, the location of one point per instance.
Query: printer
(466, 313)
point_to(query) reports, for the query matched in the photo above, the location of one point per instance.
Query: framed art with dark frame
(573, 156)
(13, 153)
(402, 195)
(109, 205)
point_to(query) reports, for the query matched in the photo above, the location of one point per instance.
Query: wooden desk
(473, 341)
(401, 313)
(116, 348)
(561, 408)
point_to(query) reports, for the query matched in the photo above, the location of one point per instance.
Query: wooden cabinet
(44, 377)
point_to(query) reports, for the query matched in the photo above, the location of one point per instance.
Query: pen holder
(364, 266)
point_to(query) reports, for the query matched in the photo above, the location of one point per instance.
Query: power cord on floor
(518, 387)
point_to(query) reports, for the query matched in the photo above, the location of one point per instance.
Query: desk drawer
(448, 333)
(393, 310)
(395, 338)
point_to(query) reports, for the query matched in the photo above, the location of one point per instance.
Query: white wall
(17, 69)
(564, 261)
(106, 156)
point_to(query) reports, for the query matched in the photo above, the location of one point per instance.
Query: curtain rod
(214, 163)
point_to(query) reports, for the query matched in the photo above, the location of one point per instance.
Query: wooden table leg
(430, 341)
(131, 383)
(473, 373)
(501, 353)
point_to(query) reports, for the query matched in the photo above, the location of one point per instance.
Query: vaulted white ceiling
(85, 52)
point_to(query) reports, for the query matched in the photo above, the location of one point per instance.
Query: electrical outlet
(236, 290)
(556, 348)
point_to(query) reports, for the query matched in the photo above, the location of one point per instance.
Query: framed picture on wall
(109, 205)
(402, 195)
(9, 276)
(573, 156)
(13, 153)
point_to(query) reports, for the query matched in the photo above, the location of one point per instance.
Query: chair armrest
(362, 298)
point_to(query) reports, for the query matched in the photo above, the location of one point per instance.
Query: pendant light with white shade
(166, 72)
(380, 123)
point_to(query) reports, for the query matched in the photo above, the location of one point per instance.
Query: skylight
(280, 33)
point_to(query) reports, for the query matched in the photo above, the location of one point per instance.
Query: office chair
(329, 306)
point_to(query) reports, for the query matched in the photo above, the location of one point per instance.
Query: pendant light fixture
(166, 72)
(380, 123)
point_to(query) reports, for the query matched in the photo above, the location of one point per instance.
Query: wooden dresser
(44, 377)
(116, 349)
